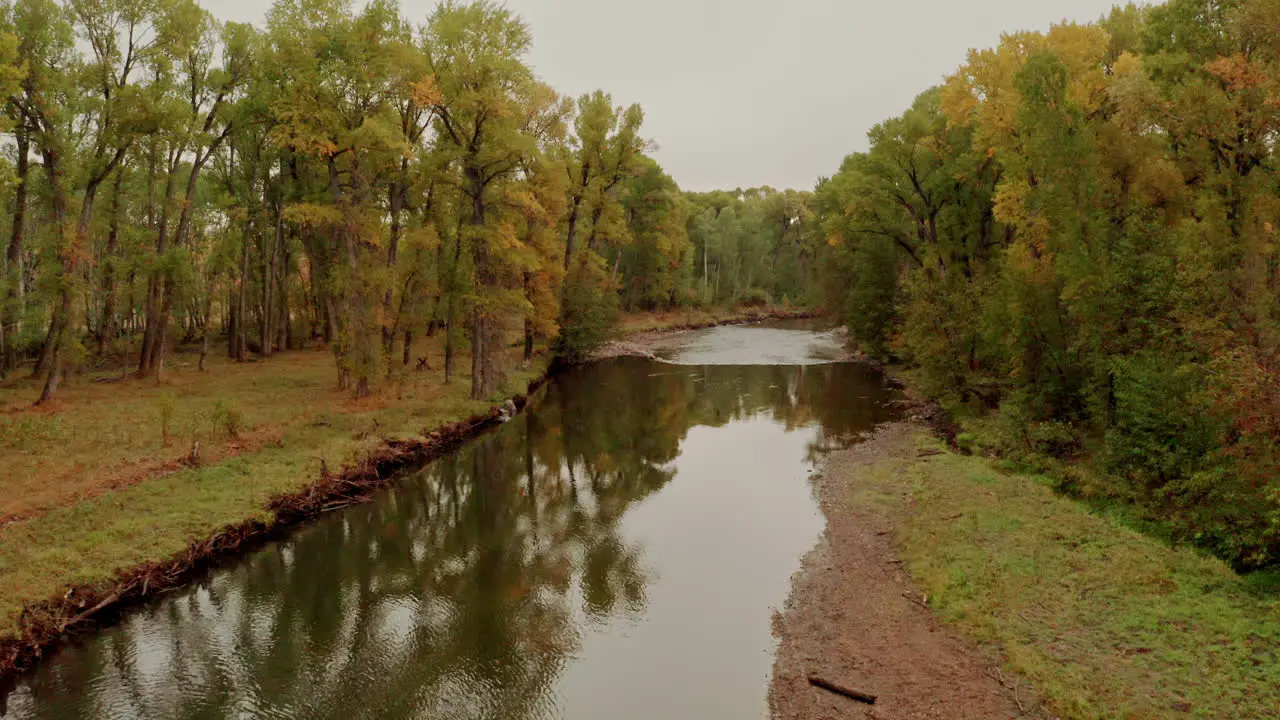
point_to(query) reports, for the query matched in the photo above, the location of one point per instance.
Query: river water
(617, 551)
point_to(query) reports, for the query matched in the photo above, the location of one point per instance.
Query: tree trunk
(46, 351)
(528, 322)
(284, 330)
(58, 331)
(204, 347)
(478, 350)
(573, 215)
(61, 320)
(157, 286)
(242, 301)
(107, 324)
(11, 307)
(268, 262)
(484, 343)
(448, 342)
(233, 333)
(396, 201)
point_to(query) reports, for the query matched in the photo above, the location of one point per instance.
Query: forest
(1078, 227)
(346, 178)
(1071, 240)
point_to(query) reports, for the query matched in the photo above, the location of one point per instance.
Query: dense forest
(340, 177)
(1079, 227)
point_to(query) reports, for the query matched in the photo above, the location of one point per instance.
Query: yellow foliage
(311, 215)
(982, 92)
(425, 93)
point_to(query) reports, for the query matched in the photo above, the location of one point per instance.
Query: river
(617, 551)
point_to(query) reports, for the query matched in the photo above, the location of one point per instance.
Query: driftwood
(922, 601)
(841, 690)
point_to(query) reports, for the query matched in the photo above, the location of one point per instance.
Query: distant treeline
(349, 177)
(1080, 226)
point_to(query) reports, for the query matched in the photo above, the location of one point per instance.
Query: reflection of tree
(458, 593)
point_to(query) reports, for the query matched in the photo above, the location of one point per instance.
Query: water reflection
(473, 588)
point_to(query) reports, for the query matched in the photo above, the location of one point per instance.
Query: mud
(856, 619)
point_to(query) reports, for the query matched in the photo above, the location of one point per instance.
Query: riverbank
(104, 504)
(1045, 599)
(855, 616)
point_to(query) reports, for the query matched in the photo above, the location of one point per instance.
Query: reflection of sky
(725, 537)
(753, 345)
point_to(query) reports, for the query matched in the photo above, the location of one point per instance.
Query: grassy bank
(97, 484)
(1106, 622)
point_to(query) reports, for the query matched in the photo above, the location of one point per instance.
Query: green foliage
(1079, 227)
(1160, 432)
(868, 298)
(227, 418)
(751, 239)
(590, 313)
(755, 297)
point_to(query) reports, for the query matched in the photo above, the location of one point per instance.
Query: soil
(854, 616)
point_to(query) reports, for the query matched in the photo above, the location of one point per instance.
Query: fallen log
(922, 601)
(841, 690)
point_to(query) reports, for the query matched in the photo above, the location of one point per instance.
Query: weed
(168, 406)
(227, 418)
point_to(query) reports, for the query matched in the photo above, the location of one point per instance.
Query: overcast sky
(743, 93)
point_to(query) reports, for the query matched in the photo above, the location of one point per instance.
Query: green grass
(87, 541)
(1105, 621)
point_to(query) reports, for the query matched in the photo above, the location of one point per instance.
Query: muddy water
(615, 552)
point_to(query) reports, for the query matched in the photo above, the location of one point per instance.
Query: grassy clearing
(93, 485)
(1106, 622)
(85, 542)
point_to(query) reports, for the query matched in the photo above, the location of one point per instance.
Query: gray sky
(743, 93)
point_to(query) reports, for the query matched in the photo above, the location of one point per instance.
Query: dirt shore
(855, 618)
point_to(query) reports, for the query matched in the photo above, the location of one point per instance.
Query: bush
(588, 313)
(1160, 431)
(168, 406)
(227, 418)
(755, 297)
(868, 303)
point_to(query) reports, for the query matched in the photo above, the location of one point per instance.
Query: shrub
(227, 418)
(168, 406)
(869, 300)
(589, 313)
(755, 297)
(1160, 431)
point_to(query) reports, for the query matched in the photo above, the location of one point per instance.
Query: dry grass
(100, 437)
(101, 490)
(1107, 622)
